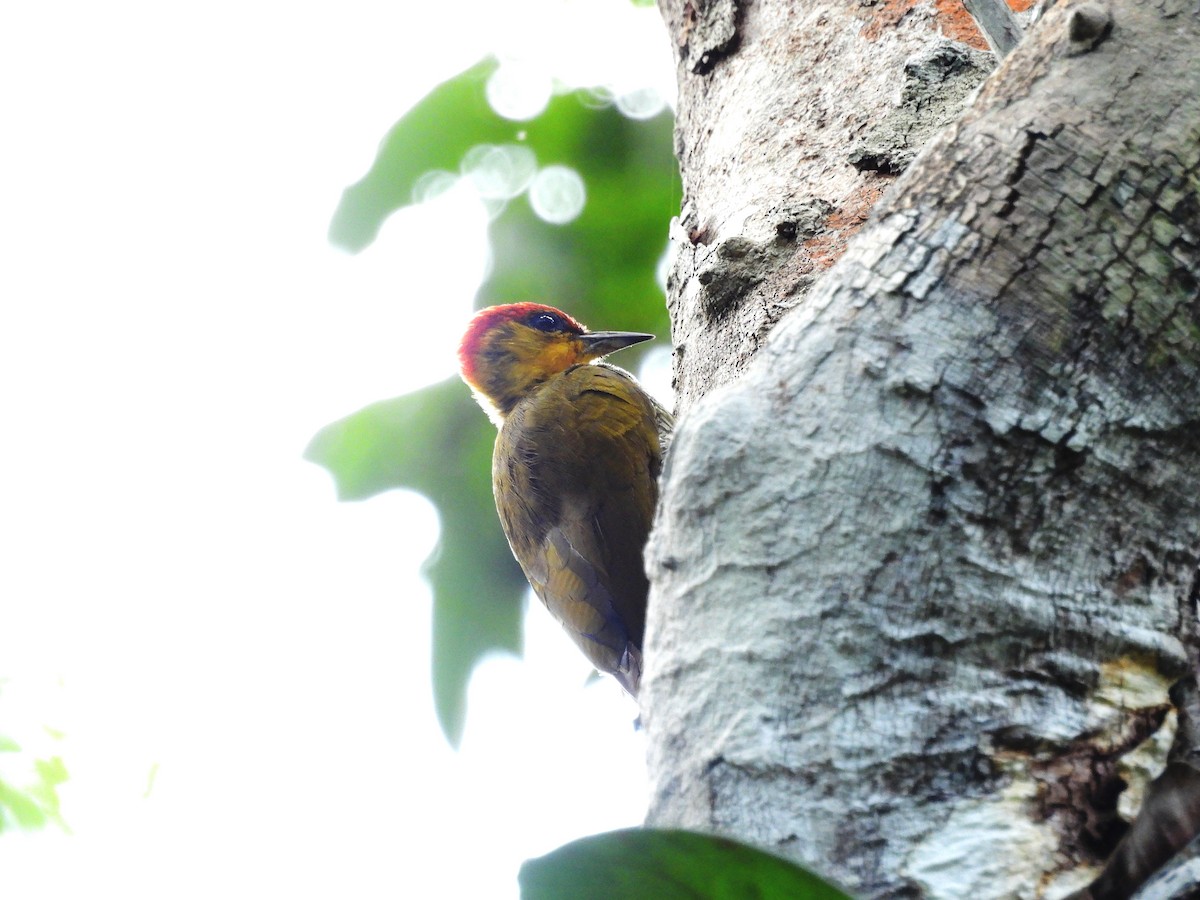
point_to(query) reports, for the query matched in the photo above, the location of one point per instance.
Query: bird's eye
(546, 322)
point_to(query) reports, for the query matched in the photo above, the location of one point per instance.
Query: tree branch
(998, 24)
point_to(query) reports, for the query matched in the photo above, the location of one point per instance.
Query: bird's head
(509, 350)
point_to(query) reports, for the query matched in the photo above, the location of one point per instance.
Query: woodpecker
(574, 471)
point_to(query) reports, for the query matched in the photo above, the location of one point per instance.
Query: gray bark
(925, 569)
(997, 23)
(772, 107)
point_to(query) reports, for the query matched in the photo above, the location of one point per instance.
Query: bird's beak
(602, 343)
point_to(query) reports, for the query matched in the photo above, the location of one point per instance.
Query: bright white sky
(239, 663)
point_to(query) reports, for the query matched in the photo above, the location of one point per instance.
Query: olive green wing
(576, 471)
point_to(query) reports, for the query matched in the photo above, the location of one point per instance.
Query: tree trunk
(923, 613)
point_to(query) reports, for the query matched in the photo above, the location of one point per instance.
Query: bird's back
(575, 473)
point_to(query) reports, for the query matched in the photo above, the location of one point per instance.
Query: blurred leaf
(51, 771)
(432, 441)
(636, 863)
(18, 808)
(600, 268)
(35, 806)
(151, 777)
(434, 134)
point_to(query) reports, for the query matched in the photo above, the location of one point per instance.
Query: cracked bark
(923, 604)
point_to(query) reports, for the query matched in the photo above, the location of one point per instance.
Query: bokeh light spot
(557, 194)
(433, 184)
(518, 91)
(499, 172)
(643, 103)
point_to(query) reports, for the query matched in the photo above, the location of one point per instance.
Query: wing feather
(576, 470)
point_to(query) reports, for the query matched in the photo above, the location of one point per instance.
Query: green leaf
(637, 863)
(52, 771)
(20, 809)
(434, 134)
(8, 745)
(438, 442)
(34, 807)
(629, 171)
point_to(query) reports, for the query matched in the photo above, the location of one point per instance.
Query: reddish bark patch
(950, 17)
(843, 223)
(956, 23)
(886, 15)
